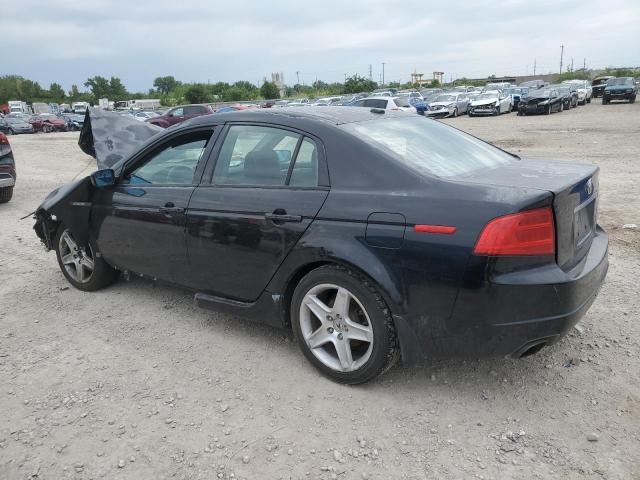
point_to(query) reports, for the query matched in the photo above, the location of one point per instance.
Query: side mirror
(103, 178)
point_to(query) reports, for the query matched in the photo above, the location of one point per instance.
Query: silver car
(449, 104)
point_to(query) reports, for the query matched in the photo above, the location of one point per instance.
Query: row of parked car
(16, 123)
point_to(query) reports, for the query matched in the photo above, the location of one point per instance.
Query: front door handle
(170, 209)
(280, 215)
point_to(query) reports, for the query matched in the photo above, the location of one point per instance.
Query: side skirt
(267, 309)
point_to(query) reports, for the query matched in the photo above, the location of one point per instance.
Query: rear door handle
(280, 216)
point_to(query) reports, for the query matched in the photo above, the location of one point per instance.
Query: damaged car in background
(490, 103)
(448, 105)
(545, 100)
(443, 246)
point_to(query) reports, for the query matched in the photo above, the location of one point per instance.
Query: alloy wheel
(77, 261)
(336, 327)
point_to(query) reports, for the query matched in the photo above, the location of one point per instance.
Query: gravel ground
(135, 382)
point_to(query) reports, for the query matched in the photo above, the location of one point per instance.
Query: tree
(357, 84)
(198, 93)
(269, 90)
(56, 93)
(117, 91)
(164, 85)
(99, 87)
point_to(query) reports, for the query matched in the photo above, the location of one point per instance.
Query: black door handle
(170, 209)
(280, 215)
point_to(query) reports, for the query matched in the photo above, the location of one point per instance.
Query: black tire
(385, 350)
(632, 99)
(455, 112)
(605, 101)
(11, 132)
(548, 111)
(102, 276)
(589, 100)
(561, 107)
(5, 194)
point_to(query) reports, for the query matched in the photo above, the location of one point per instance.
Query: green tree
(56, 93)
(117, 91)
(198, 93)
(99, 86)
(269, 90)
(357, 84)
(164, 85)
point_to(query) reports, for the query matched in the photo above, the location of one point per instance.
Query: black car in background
(545, 100)
(7, 169)
(620, 88)
(373, 234)
(569, 95)
(598, 85)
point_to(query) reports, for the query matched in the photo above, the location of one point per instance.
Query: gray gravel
(135, 382)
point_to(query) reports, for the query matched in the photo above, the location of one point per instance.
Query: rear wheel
(81, 266)
(5, 194)
(343, 325)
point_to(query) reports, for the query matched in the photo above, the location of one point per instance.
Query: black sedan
(545, 100)
(374, 235)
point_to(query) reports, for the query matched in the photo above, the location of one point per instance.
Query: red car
(47, 122)
(7, 169)
(180, 114)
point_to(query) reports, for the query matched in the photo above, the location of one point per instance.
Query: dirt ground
(135, 382)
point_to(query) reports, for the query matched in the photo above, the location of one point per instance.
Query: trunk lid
(575, 196)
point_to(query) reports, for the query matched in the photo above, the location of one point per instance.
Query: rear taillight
(525, 233)
(3, 139)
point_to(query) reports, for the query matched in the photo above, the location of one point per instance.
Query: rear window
(402, 102)
(428, 146)
(375, 103)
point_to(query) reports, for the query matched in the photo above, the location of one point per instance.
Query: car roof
(289, 116)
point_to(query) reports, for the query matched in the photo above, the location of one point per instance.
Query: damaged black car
(374, 235)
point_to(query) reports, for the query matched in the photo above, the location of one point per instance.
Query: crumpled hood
(481, 103)
(109, 137)
(440, 104)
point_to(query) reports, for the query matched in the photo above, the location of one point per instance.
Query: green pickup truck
(620, 88)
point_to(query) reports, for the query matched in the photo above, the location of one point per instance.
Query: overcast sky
(208, 40)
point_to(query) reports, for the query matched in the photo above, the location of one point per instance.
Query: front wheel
(343, 325)
(81, 266)
(11, 132)
(548, 112)
(455, 112)
(632, 99)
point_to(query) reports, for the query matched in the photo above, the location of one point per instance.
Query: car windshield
(620, 81)
(429, 147)
(541, 93)
(487, 96)
(446, 98)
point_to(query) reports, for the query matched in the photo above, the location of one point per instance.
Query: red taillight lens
(3, 139)
(526, 233)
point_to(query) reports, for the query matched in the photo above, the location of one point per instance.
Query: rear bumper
(509, 314)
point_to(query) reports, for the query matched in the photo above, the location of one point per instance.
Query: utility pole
(370, 73)
(561, 54)
(383, 64)
(298, 75)
(584, 64)
(572, 64)
(534, 67)
(345, 78)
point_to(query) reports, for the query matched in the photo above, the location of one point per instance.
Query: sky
(68, 41)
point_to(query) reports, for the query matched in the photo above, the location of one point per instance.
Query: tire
(496, 111)
(604, 101)
(632, 99)
(548, 111)
(375, 351)
(470, 114)
(455, 112)
(101, 275)
(5, 194)
(589, 100)
(561, 107)
(11, 132)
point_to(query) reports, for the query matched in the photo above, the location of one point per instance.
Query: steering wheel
(179, 174)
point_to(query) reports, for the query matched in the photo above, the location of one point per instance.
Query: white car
(491, 103)
(584, 90)
(326, 101)
(386, 103)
